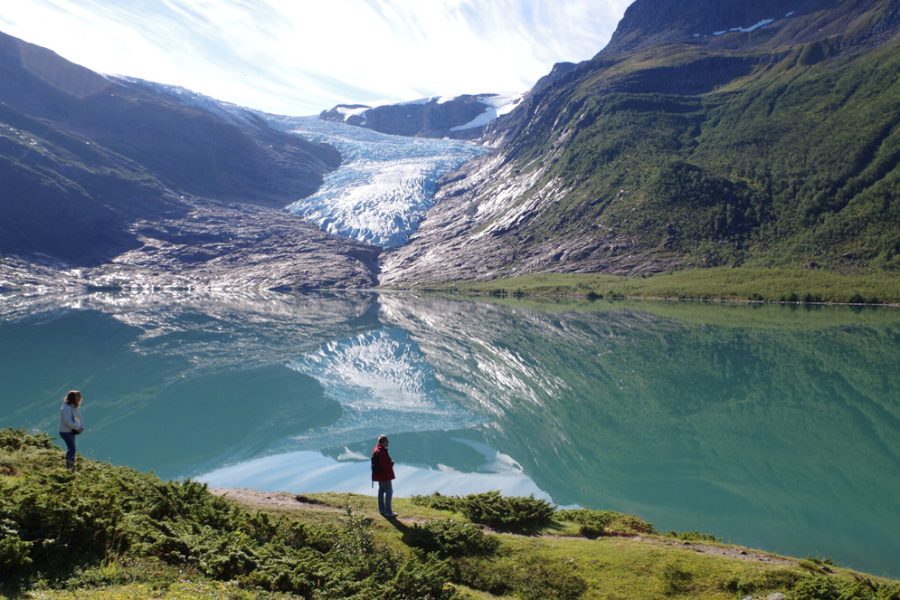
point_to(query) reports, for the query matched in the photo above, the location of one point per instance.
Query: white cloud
(298, 57)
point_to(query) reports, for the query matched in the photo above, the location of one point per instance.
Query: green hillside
(703, 135)
(767, 153)
(111, 532)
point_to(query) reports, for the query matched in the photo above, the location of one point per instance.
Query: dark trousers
(385, 493)
(69, 438)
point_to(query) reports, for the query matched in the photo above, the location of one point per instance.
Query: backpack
(375, 462)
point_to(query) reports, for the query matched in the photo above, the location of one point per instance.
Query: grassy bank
(739, 284)
(110, 532)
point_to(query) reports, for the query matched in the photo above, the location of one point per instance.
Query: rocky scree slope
(109, 182)
(705, 133)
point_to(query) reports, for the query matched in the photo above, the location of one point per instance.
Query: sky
(298, 57)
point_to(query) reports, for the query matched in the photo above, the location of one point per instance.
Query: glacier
(384, 185)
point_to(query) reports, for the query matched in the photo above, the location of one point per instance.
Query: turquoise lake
(776, 427)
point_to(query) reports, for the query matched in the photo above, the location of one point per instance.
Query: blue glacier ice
(384, 185)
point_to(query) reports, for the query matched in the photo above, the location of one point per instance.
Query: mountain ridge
(143, 188)
(740, 148)
(461, 117)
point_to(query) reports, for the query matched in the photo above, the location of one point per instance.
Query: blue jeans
(69, 438)
(385, 493)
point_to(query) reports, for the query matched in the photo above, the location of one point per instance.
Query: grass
(725, 284)
(554, 561)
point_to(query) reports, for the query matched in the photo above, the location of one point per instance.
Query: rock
(429, 117)
(220, 246)
(776, 596)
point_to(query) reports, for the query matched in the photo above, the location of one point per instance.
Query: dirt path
(285, 500)
(257, 499)
(735, 552)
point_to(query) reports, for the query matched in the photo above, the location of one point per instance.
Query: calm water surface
(774, 427)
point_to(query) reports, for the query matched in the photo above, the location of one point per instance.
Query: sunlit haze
(299, 57)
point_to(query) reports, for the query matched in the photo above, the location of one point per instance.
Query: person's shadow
(408, 533)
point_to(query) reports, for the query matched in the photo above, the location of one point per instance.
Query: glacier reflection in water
(769, 426)
(379, 379)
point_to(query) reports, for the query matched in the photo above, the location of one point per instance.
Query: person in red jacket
(383, 473)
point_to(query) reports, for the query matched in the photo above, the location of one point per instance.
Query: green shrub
(817, 565)
(825, 587)
(17, 439)
(774, 579)
(592, 523)
(630, 524)
(451, 539)
(355, 542)
(419, 577)
(515, 513)
(14, 551)
(509, 513)
(694, 536)
(438, 501)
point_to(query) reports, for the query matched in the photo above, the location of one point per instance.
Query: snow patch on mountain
(753, 27)
(496, 105)
(353, 110)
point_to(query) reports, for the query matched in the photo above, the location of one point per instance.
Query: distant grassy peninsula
(109, 532)
(744, 284)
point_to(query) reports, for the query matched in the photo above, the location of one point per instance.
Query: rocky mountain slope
(108, 180)
(461, 117)
(705, 133)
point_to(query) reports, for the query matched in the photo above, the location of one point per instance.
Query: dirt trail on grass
(285, 500)
(727, 551)
(257, 499)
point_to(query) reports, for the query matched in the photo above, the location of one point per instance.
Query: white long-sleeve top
(70, 419)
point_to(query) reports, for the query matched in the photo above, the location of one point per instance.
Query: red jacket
(382, 465)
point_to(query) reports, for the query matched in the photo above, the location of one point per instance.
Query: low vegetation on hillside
(111, 532)
(728, 284)
(758, 154)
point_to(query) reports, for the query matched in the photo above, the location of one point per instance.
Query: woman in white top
(70, 424)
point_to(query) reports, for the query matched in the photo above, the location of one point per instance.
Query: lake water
(770, 426)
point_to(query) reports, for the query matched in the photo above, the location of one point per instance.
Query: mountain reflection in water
(770, 426)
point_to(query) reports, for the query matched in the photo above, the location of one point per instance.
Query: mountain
(460, 117)
(706, 133)
(98, 171)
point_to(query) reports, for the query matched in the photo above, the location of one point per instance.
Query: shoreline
(788, 286)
